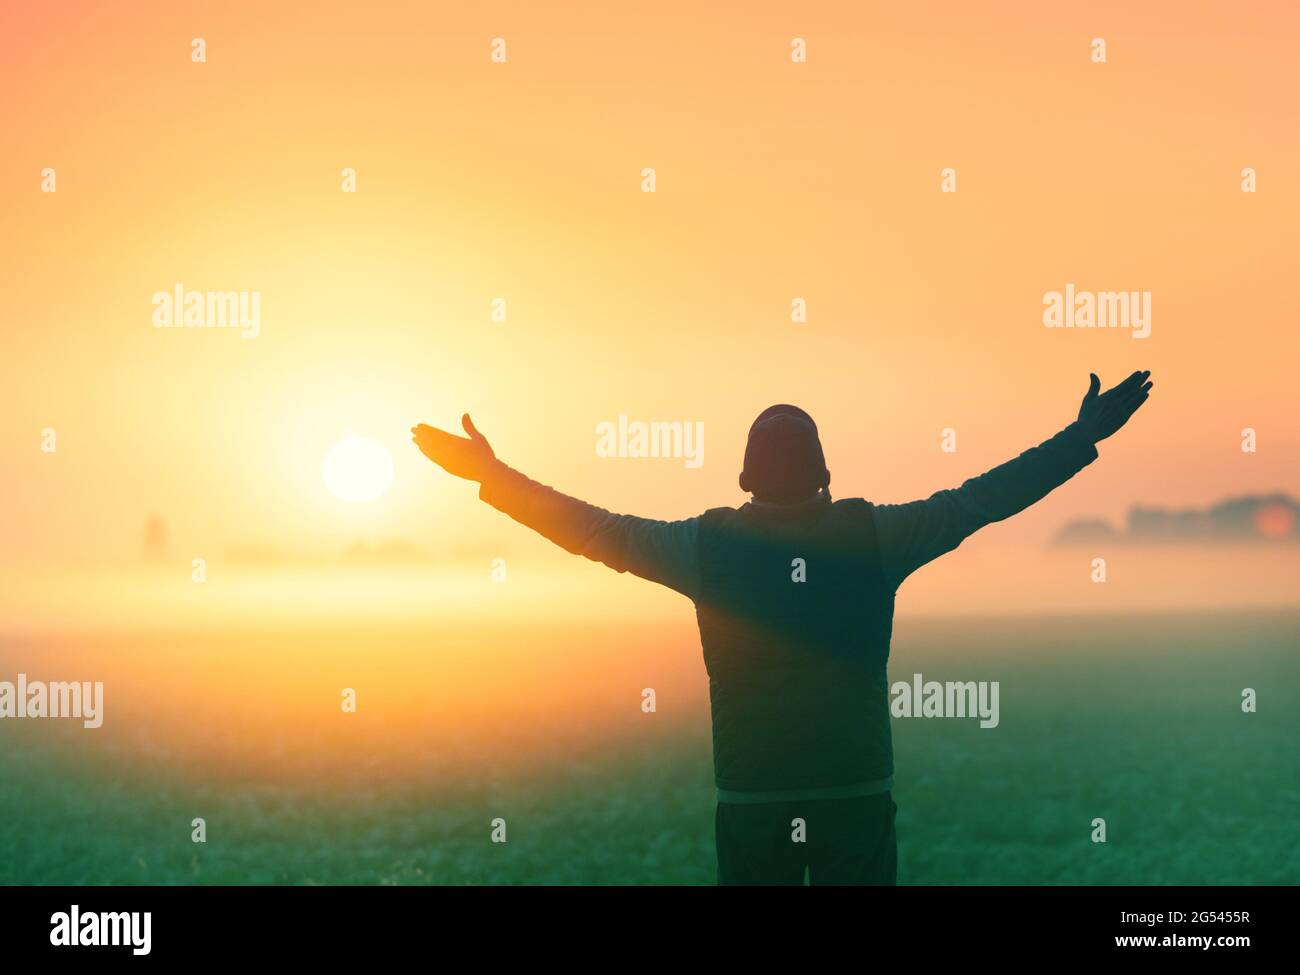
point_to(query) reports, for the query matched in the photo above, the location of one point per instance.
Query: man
(794, 595)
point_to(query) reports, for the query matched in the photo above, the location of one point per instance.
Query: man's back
(795, 619)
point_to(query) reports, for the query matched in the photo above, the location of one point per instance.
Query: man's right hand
(1101, 414)
(468, 457)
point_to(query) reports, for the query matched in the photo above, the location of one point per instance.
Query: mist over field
(1134, 719)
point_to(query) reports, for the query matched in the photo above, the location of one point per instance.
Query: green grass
(1134, 720)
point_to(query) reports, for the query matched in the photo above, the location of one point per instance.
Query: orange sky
(522, 180)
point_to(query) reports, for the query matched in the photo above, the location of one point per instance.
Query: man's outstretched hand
(468, 457)
(1103, 413)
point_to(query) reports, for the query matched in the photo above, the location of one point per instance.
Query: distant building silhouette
(1086, 530)
(155, 544)
(1251, 518)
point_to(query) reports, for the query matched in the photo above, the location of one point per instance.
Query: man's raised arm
(916, 533)
(661, 551)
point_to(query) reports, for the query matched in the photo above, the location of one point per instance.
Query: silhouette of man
(794, 595)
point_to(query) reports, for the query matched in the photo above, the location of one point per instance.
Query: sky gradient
(522, 181)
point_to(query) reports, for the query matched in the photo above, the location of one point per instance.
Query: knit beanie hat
(784, 462)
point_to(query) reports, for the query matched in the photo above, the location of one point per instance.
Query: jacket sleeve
(916, 533)
(665, 552)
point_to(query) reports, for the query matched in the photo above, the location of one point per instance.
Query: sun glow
(357, 469)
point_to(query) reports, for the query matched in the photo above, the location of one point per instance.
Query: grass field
(1136, 720)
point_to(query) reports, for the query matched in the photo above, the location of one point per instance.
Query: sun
(357, 469)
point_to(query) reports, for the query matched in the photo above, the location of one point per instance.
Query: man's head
(784, 463)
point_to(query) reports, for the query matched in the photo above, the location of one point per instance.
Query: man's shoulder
(722, 513)
(852, 504)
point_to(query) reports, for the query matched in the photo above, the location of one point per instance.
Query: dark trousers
(844, 841)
